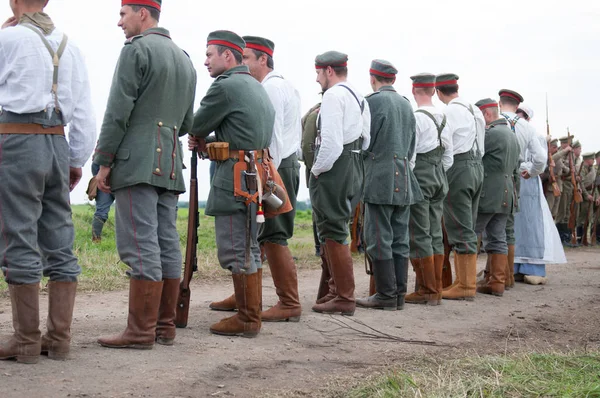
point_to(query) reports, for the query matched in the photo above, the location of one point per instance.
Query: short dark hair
(381, 79)
(340, 71)
(236, 54)
(425, 90)
(449, 89)
(509, 101)
(270, 63)
(154, 13)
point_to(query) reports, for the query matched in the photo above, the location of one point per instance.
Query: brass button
(174, 127)
(174, 156)
(506, 190)
(158, 150)
(159, 124)
(173, 175)
(397, 189)
(397, 173)
(395, 156)
(157, 170)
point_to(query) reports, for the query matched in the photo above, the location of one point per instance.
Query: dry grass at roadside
(103, 271)
(523, 375)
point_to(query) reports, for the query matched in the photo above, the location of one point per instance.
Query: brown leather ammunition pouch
(218, 151)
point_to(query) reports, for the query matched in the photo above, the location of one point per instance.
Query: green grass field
(103, 271)
(525, 375)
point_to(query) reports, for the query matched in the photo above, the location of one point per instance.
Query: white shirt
(533, 154)
(26, 82)
(427, 135)
(464, 127)
(341, 124)
(287, 131)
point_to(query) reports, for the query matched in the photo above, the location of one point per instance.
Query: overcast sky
(533, 47)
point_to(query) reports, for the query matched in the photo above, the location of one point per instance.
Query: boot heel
(28, 359)
(293, 319)
(432, 302)
(58, 356)
(347, 313)
(389, 308)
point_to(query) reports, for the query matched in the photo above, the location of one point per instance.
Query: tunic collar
(157, 31)
(387, 88)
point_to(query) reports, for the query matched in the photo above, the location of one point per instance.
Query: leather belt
(235, 154)
(30, 128)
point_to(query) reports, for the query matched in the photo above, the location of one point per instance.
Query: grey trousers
(494, 225)
(36, 228)
(232, 237)
(386, 231)
(147, 237)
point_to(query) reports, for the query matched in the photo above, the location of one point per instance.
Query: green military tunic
(238, 109)
(501, 169)
(142, 122)
(560, 169)
(390, 185)
(588, 179)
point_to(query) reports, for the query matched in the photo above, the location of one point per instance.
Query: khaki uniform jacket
(500, 168)
(238, 109)
(150, 105)
(389, 179)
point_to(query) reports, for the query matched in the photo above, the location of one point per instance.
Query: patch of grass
(531, 375)
(102, 269)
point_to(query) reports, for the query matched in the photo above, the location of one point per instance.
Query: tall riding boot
(140, 333)
(61, 300)
(316, 238)
(510, 268)
(285, 278)
(327, 290)
(384, 275)
(97, 225)
(466, 272)
(486, 272)
(165, 327)
(438, 264)
(401, 271)
(495, 284)
(579, 235)
(342, 272)
(246, 322)
(425, 271)
(25, 343)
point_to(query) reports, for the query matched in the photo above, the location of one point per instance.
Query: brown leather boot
(327, 285)
(140, 333)
(224, 305)
(25, 343)
(165, 326)
(510, 268)
(342, 272)
(246, 322)
(56, 343)
(285, 278)
(466, 274)
(486, 272)
(425, 271)
(495, 284)
(438, 265)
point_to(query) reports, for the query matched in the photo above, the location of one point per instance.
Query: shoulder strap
(439, 127)
(55, 59)
(360, 104)
(470, 109)
(512, 122)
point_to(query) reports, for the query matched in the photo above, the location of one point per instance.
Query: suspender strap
(439, 127)
(55, 60)
(470, 109)
(360, 104)
(512, 122)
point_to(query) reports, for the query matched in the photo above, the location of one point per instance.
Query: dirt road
(303, 358)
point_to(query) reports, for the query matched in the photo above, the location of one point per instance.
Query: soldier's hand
(74, 177)
(195, 142)
(578, 178)
(590, 198)
(568, 149)
(12, 21)
(525, 174)
(103, 177)
(598, 202)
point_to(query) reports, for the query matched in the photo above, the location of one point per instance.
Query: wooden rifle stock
(191, 260)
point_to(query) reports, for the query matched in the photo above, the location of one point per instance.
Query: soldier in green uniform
(588, 180)
(239, 111)
(595, 227)
(390, 188)
(559, 156)
(497, 200)
(566, 198)
(150, 105)
(465, 179)
(566, 190)
(336, 175)
(433, 157)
